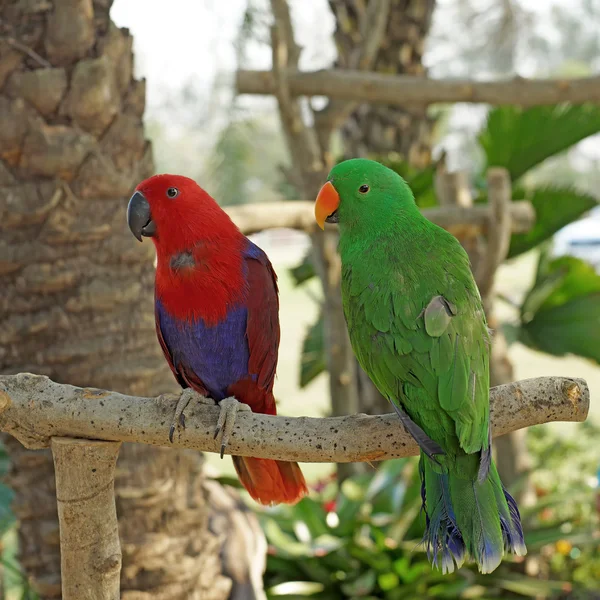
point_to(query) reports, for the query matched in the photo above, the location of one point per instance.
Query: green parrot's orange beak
(326, 205)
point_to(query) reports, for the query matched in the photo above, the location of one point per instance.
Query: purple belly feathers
(217, 355)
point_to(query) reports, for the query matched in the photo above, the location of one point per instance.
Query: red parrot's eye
(363, 189)
(172, 193)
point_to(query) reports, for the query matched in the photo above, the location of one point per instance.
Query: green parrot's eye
(363, 189)
(172, 193)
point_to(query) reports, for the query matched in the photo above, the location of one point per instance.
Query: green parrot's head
(362, 194)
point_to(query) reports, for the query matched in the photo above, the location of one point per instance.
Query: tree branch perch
(400, 90)
(34, 409)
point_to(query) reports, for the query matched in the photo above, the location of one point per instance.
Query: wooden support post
(89, 532)
(498, 233)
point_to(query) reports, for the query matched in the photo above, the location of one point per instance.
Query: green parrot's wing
(458, 354)
(424, 342)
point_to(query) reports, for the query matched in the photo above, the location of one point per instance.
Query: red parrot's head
(176, 213)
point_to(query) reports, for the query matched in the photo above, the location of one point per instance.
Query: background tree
(77, 301)
(381, 129)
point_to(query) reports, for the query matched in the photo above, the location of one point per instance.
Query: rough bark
(34, 409)
(379, 129)
(89, 532)
(77, 291)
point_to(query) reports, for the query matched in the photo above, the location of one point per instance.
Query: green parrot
(418, 329)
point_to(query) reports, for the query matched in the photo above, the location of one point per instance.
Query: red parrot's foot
(184, 399)
(229, 409)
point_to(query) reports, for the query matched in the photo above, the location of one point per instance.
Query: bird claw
(184, 399)
(229, 408)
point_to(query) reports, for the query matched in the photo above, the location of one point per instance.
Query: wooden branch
(400, 90)
(90, 551)
(301, 140)
(310, 157)
(251, 218)
(452, 188)
(35, 409)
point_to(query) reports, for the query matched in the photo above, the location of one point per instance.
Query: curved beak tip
(327, 203)
(139, 217)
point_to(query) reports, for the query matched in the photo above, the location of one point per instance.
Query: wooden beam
(252, 218)
(402, 90)
(90, 550)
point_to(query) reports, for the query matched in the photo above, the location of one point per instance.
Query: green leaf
(543, 536)
(387, 476)
(528, 586)
(388, 581)
(362, 585)
(285, 543)
(449, 589)
(229, 480)
(546, 282)
(312, 358)
(409, 571)
(304, 271)
(554, 208)
(520, 139)
(313, 515)
(564, 318)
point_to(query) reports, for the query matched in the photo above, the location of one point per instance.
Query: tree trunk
(380, 130)
(77, 301)
(377, 129)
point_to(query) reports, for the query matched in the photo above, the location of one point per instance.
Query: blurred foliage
(239, 168)
(503, 38)
(519, 140)
(312, 358)
(14, 581)
(560, 314)
(554, 209)
(363, 540)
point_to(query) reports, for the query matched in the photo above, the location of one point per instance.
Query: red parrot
(217, 321)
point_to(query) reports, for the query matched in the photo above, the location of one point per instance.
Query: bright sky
(194, 40)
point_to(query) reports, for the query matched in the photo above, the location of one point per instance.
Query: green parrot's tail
(468, 517)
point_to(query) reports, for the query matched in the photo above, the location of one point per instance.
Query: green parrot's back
(418, 329)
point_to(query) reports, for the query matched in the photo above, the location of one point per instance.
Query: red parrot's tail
(271, 481)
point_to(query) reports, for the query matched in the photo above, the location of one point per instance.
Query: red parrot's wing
(262, 328)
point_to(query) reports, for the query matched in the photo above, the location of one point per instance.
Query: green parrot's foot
(229, 409)
(184, 399)
(427, 445)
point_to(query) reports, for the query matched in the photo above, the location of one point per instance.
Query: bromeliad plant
(551, 315)
(363, 541)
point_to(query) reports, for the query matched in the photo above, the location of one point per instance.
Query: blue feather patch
(443, 539)
(512, 531)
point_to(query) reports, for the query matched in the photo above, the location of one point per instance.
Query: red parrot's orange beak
(327, 203)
